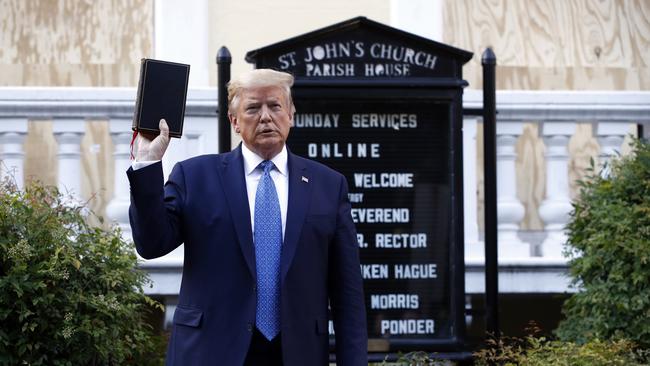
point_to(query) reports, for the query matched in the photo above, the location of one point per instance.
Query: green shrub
(416, 358)
(609, 241)
(70, 294)
(532, 351)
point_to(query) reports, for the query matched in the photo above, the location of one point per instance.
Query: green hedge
(539, 351)
(609, 239)
(70, 294)
(532, 351)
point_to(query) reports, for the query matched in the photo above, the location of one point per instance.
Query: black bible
(162, 93)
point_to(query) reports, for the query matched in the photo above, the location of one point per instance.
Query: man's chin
(269, 140)
(269, 147)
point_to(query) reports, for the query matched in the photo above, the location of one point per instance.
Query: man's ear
(291, 114)
(233, 122)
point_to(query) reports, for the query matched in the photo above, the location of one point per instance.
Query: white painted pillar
(473, 248)
(510, 210)
(12, 155)
(118, 209)
(181, 35)
(68, 133)
(556, 206)
(610, 137)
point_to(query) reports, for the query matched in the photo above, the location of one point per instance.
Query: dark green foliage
(417, 358)
(609, 241)
(70, 294)
(534, 351)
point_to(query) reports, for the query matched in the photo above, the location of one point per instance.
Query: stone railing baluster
(556, 206)
(68, 133)
(610, 136)
(510, 211)
(12, 155)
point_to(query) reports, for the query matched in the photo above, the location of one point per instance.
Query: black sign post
(223, 77)
(489, 62)
(384, 107)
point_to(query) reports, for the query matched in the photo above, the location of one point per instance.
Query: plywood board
(555, 44)
(81, 43)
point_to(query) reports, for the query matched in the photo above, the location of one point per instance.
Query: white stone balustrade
(72, 109)
(613, 111)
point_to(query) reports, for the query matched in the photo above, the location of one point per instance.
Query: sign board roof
(361, 48)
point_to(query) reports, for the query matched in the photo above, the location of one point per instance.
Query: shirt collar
(252, 160)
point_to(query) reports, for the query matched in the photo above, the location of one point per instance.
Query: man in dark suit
(269, 241)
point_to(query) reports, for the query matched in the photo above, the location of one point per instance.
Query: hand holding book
(149, 147)
(162, 92)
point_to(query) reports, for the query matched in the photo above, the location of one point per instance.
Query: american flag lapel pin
(304, 179)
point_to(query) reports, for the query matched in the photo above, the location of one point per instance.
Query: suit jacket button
(249, 327)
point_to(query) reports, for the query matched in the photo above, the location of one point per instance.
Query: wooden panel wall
(70, 42)
(555, 44)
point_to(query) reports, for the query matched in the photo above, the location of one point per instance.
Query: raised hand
(150, 147)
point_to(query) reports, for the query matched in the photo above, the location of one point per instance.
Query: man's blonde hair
(256, 79)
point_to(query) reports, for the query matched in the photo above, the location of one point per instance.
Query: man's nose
(265, 114)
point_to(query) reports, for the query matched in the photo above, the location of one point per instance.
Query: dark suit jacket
(204, 205)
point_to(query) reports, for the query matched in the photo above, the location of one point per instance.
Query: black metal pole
(223, 77)
(489, 62)
(641, 131)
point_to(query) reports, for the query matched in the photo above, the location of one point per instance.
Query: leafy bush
(416, 358)
(609, 241)
(70, 294)
(533, 351)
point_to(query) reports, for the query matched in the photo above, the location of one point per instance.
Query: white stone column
(68, 133)
(12, 155)
(473, 248)
(610, 137)
(118, 209)
(181, 30)
(556, 206)
(510, 210)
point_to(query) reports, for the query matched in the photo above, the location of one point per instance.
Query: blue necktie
(268, 246)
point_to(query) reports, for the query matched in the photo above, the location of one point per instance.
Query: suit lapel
(234, 183)
(299, 193)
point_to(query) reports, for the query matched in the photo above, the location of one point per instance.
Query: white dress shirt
(280, 176)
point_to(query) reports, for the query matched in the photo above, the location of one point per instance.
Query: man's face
(263, 116)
